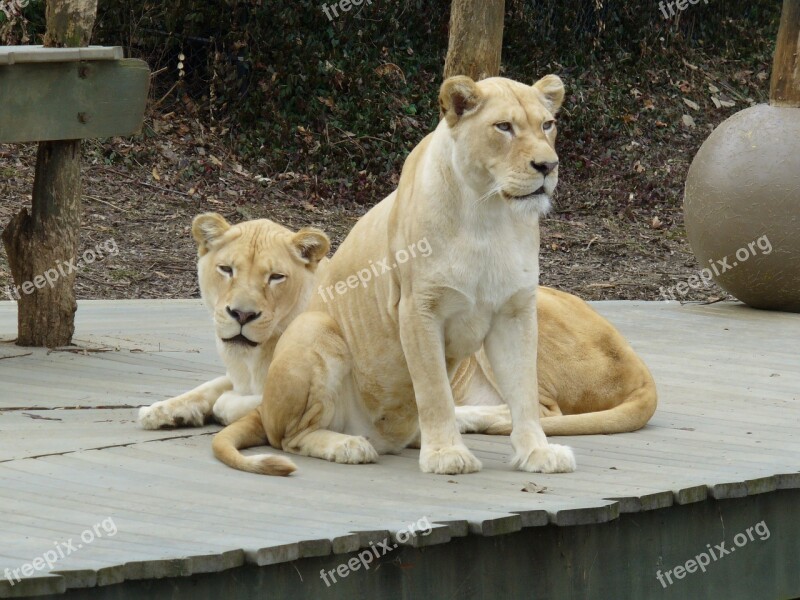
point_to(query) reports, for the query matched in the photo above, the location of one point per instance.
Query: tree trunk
(785, 87)
(476, 38)
(42, 246)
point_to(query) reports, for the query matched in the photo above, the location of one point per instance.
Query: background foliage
(296, 91)
(268, 109)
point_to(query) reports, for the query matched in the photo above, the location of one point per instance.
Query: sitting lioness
(590, 379)
(367, 371)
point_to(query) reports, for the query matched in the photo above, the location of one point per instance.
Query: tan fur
(590, 379)
(364, 372)
(587, 371)
(263, 274)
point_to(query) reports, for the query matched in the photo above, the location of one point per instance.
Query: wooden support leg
(42, 248)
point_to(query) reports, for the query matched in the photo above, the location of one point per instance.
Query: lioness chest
(479, 282)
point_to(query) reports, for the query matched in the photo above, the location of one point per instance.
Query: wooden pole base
(42, 248)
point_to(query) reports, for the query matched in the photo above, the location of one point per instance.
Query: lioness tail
(246, 433)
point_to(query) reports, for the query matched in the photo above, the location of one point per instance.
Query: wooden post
(785, 86)
(42, 246)
(476, 38)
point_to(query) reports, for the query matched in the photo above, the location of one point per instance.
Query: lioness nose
(545, 168)
(241, 316)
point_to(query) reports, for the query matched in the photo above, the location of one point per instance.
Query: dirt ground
(601, 242)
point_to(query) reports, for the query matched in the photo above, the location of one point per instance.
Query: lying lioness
(587, 371)
(368, 371)
(255, 278)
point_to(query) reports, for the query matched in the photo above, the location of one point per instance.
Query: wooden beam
(476, 38)
(72, 100)
(785, 85)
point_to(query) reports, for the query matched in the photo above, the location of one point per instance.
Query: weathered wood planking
(728, 378)
(72, 100)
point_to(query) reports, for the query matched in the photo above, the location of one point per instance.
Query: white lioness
(590, 379)
(255, 278)
(368, 371)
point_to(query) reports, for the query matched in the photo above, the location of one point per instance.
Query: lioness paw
(448, 460)
(163, 415)
(355, 450)
(553, 458)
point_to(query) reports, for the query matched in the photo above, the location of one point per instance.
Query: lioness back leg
(191, 409)
(304, 409)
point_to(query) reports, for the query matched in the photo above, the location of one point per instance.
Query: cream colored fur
(366, 372)
(590, 379)
(256, 272)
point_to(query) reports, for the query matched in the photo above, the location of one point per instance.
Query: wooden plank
(169, 493)
(77, 100)
(10, 55)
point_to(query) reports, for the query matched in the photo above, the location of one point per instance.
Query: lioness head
(504, 134)
(255, 277)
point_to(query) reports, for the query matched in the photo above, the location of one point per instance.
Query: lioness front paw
(355, 450)
(165, 415)
(552, 458)
(449, 460)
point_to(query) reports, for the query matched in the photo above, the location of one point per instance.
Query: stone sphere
(742, 207)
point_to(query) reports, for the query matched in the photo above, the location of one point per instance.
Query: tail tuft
(246, 433)
(268, 464)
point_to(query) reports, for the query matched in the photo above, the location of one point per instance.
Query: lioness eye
(504, 126)
(225, 270)
(548, 125)
(277, 277)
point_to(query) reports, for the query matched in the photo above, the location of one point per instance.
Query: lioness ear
(312, 245)
(459, 96)
(552, 88)
(208, 228)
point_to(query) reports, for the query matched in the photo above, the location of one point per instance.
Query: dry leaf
(156, 176)
(716, 102)
(637, 166)
(692, 105)
(726, 101)
(534, 488)
(688, 121)
(215, 160)
(713, 89)
(656, 223)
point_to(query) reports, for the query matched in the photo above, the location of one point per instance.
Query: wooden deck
(72, 456)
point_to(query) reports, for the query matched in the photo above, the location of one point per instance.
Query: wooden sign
(56, 94)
